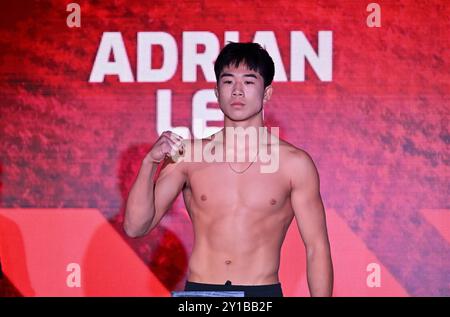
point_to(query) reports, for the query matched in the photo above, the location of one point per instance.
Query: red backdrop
(70, 147)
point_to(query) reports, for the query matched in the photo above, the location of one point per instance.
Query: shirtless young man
(240, 215)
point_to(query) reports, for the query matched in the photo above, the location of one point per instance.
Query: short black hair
(253, 55)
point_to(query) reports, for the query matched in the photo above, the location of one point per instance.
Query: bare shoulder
(294, 155)
(297, 161)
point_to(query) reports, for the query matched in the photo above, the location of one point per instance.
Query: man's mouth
(237, 104)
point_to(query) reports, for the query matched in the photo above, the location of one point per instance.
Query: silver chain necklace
(242, 172)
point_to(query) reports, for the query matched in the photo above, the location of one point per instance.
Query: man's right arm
(148, 201)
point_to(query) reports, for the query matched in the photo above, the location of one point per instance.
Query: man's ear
(267, 93)
(216, 92)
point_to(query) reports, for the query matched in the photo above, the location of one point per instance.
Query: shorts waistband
(267, 290)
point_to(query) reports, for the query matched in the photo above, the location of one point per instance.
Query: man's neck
(249, 137)
(256, 122)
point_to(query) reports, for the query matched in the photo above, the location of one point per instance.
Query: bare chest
(216, 186)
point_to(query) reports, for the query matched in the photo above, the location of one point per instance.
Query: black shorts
(271, 290)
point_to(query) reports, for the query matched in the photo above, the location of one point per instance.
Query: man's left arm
(310, 215)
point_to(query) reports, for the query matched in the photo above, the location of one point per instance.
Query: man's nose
(237, 90)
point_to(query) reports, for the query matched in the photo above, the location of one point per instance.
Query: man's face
(240, 92)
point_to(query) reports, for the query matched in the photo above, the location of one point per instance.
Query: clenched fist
(168, 144)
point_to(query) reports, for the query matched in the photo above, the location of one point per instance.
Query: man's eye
(227, 81)
(249, 82)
